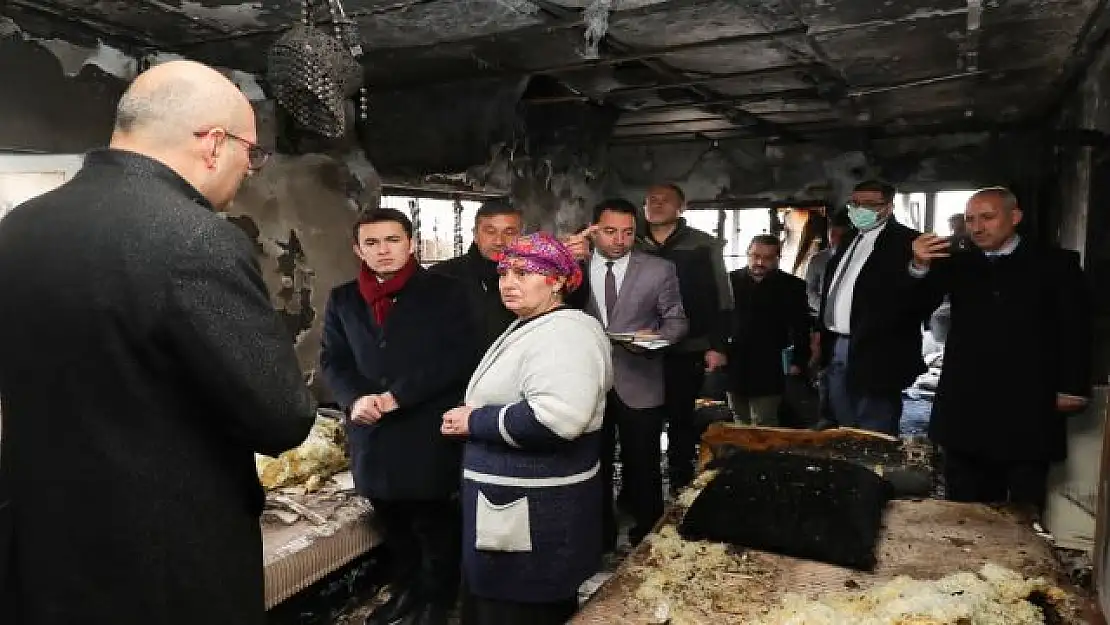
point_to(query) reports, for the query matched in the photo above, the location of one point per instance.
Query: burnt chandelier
(313, 73)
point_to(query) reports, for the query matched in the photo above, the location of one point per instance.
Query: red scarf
(379, 294)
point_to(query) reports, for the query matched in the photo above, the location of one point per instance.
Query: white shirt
(840, 299)
(597, 279)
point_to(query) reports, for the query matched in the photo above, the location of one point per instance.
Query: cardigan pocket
(505, 527)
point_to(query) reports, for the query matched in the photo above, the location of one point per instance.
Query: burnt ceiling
(675, 69)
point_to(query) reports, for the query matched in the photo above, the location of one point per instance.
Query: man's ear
(1018, 215)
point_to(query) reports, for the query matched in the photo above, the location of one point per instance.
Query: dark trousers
(424, 543)
(876, 412)
(481, 611)
(683, 374)
(639, 431)
(971, 479)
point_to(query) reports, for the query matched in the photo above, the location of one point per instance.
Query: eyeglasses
(256, 154)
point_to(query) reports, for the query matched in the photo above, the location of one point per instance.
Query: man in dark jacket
(142, 367)
(771, 314)
(707, 300)
(1018, 355)
(496, 224)
(397, 355)
(870, 323)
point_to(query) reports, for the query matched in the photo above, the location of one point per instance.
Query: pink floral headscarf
(543, 254)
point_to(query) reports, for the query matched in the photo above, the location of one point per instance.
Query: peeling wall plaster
(75, 58)
(298, 212)
(115, 62)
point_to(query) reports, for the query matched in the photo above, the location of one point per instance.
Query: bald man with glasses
(143, 366)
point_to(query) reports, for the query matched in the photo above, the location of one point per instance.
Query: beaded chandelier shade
(313, 73)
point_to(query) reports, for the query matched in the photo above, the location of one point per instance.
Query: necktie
(841, 269)
(610, 291)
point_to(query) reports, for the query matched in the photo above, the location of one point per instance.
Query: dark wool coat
(1021, 333)
(478, 276)
(769, 316)
(885, 348)
(424, 355)
(142, 367)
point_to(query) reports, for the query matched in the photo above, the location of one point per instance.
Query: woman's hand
(456, 421)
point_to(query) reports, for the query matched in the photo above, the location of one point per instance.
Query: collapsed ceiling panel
(689, 23)
(762, 84)
(886, 53)
(666, 116)
(730, 58)
(444, 21)
(834, 15)
(780, 105)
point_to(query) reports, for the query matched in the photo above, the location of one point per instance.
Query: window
(745, 224)
(740, 226)
(437, 224)
(909, 209)
(24, 176)
(949, 203)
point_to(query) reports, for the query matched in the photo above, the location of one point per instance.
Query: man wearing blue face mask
(870, 327)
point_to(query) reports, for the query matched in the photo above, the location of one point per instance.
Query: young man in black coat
(770, 314)
(143, 366)
(869, 322)
(397, 355)
(496, 224)
(1018, 356)
(707, 300)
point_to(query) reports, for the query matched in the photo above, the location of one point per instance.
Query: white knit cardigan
(560, 363)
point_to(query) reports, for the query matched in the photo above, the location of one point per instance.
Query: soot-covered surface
(820, 509)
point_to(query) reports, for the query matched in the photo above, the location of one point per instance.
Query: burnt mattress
(310, 536)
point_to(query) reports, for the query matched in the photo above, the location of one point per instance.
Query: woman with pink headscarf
(532, 418)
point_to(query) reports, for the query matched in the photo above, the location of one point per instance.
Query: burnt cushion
(814, 508)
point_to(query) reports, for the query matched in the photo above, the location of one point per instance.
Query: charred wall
(49, 111)
(1084, 194)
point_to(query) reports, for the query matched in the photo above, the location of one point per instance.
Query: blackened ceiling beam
(294, 19)
(626, 53)
(736, 114)
(180, 13)
(535, 29)
(829, 79)
(83, 20)
(707, 80)
(623, 55)
(662, 125)
(915, 16)
(807, 93)
(824, 132)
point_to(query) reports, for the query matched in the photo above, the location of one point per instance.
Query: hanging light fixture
(312, 73)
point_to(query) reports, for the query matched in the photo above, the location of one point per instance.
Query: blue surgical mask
(863, 219)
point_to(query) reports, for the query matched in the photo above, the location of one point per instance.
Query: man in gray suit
(632, 292)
